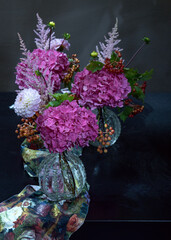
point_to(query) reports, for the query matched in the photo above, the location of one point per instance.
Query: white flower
(27, 102)
(10, 216)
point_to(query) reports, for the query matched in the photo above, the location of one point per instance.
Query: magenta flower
(66, 126)
(100, 89)
(51, 64)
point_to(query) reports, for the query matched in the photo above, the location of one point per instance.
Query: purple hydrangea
(100, 88)
(47, 62)
(66, 126)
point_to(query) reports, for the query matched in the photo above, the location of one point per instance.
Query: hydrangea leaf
(94, 66)
(125, 113)
(60, 98)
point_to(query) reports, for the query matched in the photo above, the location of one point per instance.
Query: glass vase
(32, 155)
(62, 176)
(109, 127)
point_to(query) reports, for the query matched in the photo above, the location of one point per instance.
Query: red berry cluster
(127, 101)
(143, 86)
(137, 109)
(115, 67)
(27, 129)
(73, 68)
(104, 138)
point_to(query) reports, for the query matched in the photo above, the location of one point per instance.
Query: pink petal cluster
(46, 62)
(100, 89)
(66, 126)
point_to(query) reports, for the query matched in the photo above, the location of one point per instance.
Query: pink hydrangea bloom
(47, 62)
(100, 89)
(66, 126)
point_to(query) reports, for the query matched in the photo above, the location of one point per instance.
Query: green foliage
(59, 98)
(138, 93)
(147, 75)
(114, 57)
(94, 66)
(133, 77)
(125, 113)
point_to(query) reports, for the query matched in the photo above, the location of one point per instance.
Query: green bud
(146, 40)
(51, 24)
(66, 36)
(94, 54)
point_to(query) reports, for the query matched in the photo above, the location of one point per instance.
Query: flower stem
(50, 37)
(101, 120)
(135, 54)
(65, 160)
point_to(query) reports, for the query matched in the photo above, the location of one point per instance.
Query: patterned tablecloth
(30, 215)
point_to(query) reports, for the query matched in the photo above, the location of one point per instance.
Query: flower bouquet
(107, 82)
(53, 123)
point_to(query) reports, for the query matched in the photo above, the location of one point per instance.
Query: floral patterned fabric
(30, 215)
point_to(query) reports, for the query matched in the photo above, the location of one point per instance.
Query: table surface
(131, 182)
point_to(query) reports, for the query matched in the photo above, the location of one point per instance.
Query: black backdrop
(87, 22)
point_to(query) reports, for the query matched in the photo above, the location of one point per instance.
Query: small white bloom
(27, 103)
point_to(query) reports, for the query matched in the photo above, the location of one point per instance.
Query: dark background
(87, 22)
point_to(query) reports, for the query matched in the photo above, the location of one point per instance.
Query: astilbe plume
(101, 88)
(66, 126)
(110, 46)
(42, 32)
(22, 47)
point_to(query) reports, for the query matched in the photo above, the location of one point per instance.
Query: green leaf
(60, 98)
(56, 95)
(125, 113)
(132, 75)
(147, 75)
(114, 57)
(138, 93)
(94, 66)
